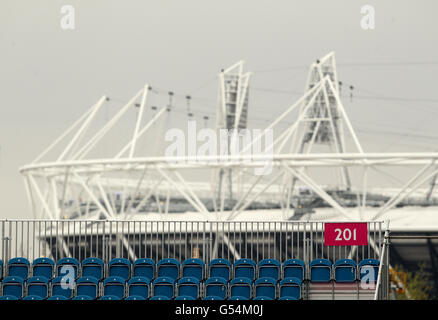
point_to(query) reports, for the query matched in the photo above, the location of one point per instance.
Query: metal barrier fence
(177, 239)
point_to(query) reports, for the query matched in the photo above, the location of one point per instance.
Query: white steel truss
(77, 183)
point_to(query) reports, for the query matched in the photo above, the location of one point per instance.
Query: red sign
(345, 234)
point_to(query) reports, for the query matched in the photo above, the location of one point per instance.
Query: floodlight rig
(232, 113)
(323, 122)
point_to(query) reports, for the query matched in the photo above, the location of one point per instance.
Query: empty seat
(216, 286)
(220, 268)
(269, 268)
(193, 268)
(38, 286)
(168, 268)
(135, 298)
(144, 267)
(120, 267)
(64, 265)
(109, 297)
(290, 287)
(263, 298)
(265, 287)
(93, 267)
(345, 270)
(87, 286)
(13, 286)
(188, 286)
(18, 267)
(43, 267)
(241, 287)
(185, 298)
(57, 298)
(139, 286)
(320, 270)
(8, 297)
(60, 287)
(114, 286)
(159, 298)
(244, 268)
(83, 297)
(32, 298)
(294, 268)
(1, 269)
(164, 286)
(238, 298)
(212, 298)
(369, 270)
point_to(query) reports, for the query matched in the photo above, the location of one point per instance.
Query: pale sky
(50, 76)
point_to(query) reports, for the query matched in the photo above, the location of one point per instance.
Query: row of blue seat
(321, 270)
(140, 286)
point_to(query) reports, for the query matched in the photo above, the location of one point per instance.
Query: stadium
(131, 221)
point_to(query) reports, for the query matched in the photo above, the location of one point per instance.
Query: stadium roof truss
(120, 186)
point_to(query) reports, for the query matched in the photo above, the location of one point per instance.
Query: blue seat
(241, 287)
(1, 269)
(93, 267)
(159, 298)
(188, 286)
(114, 286)
(184, 298)
(290, 287)
(32, 298)
(83, 297)
(294, 268)
(212, 298)
(369, 270)
(193, 268)
(220, 268)
(8, 298)
(244, 268)
(144, 267)
(13, 286)
(345, 270)
(62, 287)
(87, 286)
(164, 286)
(262, 298)
(109, 297)
(139, 286)
(135, 298)
(269, 268)
(120, 267)
(320, 270)
(18, 267)
(287, 298)
(238, 298)
(57, 298)
(265, 287)
(216, 286)
(63, 266)
(38, 286)
(43, 267)
(168, 268)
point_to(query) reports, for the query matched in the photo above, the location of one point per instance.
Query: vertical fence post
(382, 286)
(106, 249)
(6, 241)
(388, 243)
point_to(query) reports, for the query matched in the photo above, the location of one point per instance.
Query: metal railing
(107, 239)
